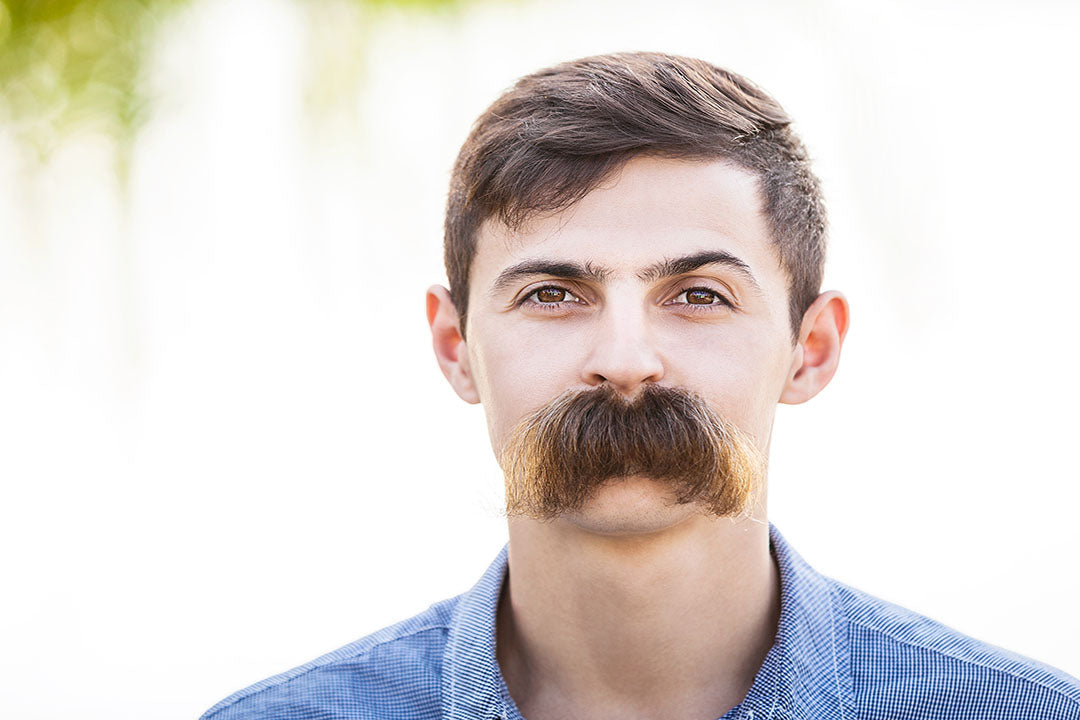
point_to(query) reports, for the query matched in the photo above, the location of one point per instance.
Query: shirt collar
(471, 680)
(806, 674)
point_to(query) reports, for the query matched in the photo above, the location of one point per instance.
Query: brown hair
(557, 133)
(557, 458)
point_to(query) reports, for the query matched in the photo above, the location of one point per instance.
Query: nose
(623, 352)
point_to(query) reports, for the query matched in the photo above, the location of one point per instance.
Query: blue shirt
(838, 653)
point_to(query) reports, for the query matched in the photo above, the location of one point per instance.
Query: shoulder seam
(967, 661)
(358, 654)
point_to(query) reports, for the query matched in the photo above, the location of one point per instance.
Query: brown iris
(700, 297)
(550, 295)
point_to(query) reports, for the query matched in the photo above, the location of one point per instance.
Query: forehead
(650, 210)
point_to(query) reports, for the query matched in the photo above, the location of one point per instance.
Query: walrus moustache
(557, 457)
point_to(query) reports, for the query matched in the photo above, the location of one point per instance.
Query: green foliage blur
(67, 64)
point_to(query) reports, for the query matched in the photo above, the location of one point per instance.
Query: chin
(631, 506)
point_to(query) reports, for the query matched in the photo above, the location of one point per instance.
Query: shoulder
(906, 665)
(393, 673)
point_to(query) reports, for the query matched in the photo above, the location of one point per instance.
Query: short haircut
(558, 133)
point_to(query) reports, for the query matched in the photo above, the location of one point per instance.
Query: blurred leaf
(67, 64)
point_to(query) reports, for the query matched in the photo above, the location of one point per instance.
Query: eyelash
(552, 307)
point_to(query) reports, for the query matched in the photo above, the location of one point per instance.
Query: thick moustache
(559, 455)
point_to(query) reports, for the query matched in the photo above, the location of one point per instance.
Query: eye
(550, 295)
(700, 296)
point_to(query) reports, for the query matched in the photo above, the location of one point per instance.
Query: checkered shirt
(838, 653)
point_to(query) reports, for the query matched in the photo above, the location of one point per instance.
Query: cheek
(520, 370)
(739, 372)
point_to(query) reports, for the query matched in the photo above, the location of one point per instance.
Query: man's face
(665, 274)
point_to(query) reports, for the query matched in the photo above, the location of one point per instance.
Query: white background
(225, 447)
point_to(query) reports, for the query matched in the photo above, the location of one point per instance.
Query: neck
(672, 624)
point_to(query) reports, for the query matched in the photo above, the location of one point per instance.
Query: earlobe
(817, 354)
(450, 350)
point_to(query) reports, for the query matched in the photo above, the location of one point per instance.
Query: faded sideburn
(557, 457)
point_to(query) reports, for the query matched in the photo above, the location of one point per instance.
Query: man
(635, 246)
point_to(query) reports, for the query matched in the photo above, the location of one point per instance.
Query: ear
(817, 353)
(450, 350)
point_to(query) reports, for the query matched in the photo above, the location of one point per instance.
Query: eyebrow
(669, 267)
